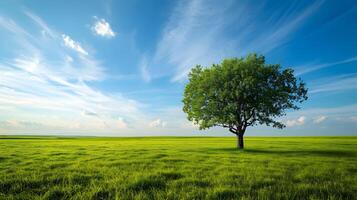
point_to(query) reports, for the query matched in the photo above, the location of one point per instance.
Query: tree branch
(233, 130)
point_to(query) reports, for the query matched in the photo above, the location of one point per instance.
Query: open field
(178, 168)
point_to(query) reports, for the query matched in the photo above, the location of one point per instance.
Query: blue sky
(118, 68)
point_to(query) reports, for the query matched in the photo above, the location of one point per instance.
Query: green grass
(178, 168)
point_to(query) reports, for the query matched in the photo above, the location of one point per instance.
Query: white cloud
(296, 122)
(11, 26)
(30, 65)
(157, 123)
(334, 112)
(319, 119)
(43, 88)
(45, 29)
(68, 42)
(335, 84)
(310, 68)
(102, 28)
(144, 69)
(196, 33)
(16, 125)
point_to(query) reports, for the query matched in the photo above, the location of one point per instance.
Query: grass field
(178, 168)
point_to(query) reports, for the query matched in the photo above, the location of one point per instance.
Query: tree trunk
(240, 144)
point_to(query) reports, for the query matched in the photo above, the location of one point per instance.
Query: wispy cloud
(157, 123)
(296, 122)
(335, 84)
(282, 24)
(196, 32)
(10, 25)
(192, 36)
(68, 42)
(313, 67)
(144, 69)
(21, 125)
(42, 24)
(319, 119)
(45, 84)
(340, 112)
(340, 120)
(102, 28)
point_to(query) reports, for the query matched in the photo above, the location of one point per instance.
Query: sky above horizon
(118, 68)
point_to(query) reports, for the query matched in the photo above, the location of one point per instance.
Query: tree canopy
(241, 92)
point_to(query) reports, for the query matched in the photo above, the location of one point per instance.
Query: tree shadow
(303, 152)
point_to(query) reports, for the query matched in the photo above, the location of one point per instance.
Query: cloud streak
(157, 123)
(144, 70)
(41, 24)
(340, 83)
(296, 122)
(319, 119)
(196, 32)
(45, 84)
(68, 42)
(311, 68)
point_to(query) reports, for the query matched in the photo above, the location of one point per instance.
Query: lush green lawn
(178, 168)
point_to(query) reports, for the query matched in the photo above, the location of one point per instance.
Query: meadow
(178, 168)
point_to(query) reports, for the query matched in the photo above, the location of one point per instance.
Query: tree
(241, 92)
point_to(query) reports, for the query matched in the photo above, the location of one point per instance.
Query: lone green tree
(241, 92)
